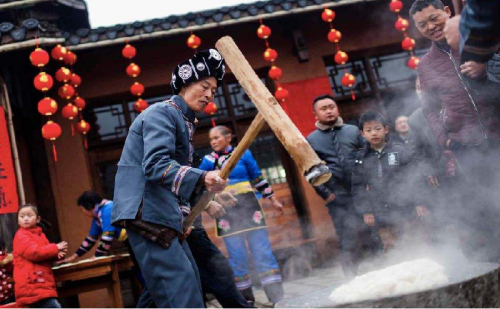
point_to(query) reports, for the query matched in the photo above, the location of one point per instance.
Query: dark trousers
(352, 234)
(478, 184)
(171, 275)
(216, 275)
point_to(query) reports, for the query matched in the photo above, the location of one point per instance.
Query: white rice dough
(407, 277)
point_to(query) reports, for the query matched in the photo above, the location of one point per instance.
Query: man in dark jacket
(464, 114)
(336, 144)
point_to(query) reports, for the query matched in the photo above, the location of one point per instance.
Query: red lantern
(66, 91)
(70, 58)
(79, 103)
(63, 75)
(75, 80)
(281, 93)
(275, 73)
(396, 6)
(47, 106)
(83, 127)
(43, 81)
(408, 43)
(341, 57)
(59, 52)
(51, 130)
(70, 111)
(413, 62)
(263, 32)
(193, 41)
(348, 80)
(129, 51)
(133, 70)
(334, 36)
(402, 24)
(210, 109)
(39, 57)
(328, 15)
(140, 105)
(270, 55)
(137, 89)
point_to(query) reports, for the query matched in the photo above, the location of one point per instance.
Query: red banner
(9, 201)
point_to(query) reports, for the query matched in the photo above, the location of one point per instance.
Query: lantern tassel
(85, 143)
(213, 122)
(72, 129)
(54, 151)
(353, 96)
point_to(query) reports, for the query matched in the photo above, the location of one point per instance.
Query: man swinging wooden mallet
(315, 171)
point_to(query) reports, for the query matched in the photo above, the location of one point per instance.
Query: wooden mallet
(315, 171)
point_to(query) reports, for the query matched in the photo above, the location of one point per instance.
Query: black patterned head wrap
(207, 63)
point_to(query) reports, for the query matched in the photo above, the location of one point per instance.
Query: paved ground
(319, 279)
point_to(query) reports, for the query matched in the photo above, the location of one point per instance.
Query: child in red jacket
(33, 256)
(6, 281)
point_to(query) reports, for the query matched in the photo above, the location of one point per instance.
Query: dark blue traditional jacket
(155, 166)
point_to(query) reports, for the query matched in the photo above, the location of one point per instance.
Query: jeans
(47, 303)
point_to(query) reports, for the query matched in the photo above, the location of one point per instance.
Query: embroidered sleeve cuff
(185, 181)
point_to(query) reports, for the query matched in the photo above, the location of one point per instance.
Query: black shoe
(248, 294)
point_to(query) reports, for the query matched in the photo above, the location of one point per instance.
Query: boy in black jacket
(385, 189)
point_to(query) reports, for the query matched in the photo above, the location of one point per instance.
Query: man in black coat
(336, 143)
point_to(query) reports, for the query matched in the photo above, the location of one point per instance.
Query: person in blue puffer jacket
(245, 221)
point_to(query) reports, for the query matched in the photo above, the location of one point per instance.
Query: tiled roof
(77, 4)
(28, 29)
(172, 22)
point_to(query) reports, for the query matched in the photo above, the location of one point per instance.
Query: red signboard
(9, 201)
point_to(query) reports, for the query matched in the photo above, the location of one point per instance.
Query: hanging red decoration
(193, 41)
(51, 130)
(140, 105)
(47, 106)
(275, 73)
(75, 80)
(70, 111)
(413, 62)
(83, 127)
(133, 70)
(210, 110)
(63, 75)
(334, 36)
(39, 57)
(281, 93)
(129, 51)
(408, 43)
(79, 103)
(70, 58)
(328, 15)
(395, 6)
(66, 91)
(263, 32)
(43, 82)
(341, 57)
(59, 52)
(401, 24)
(270, 55)
(137, 89)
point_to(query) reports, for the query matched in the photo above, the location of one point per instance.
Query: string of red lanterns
(402, 25)
(193, 41)
(71, 111)
(46, 106)
(133, 70)
(275, 73)
(341, 57)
